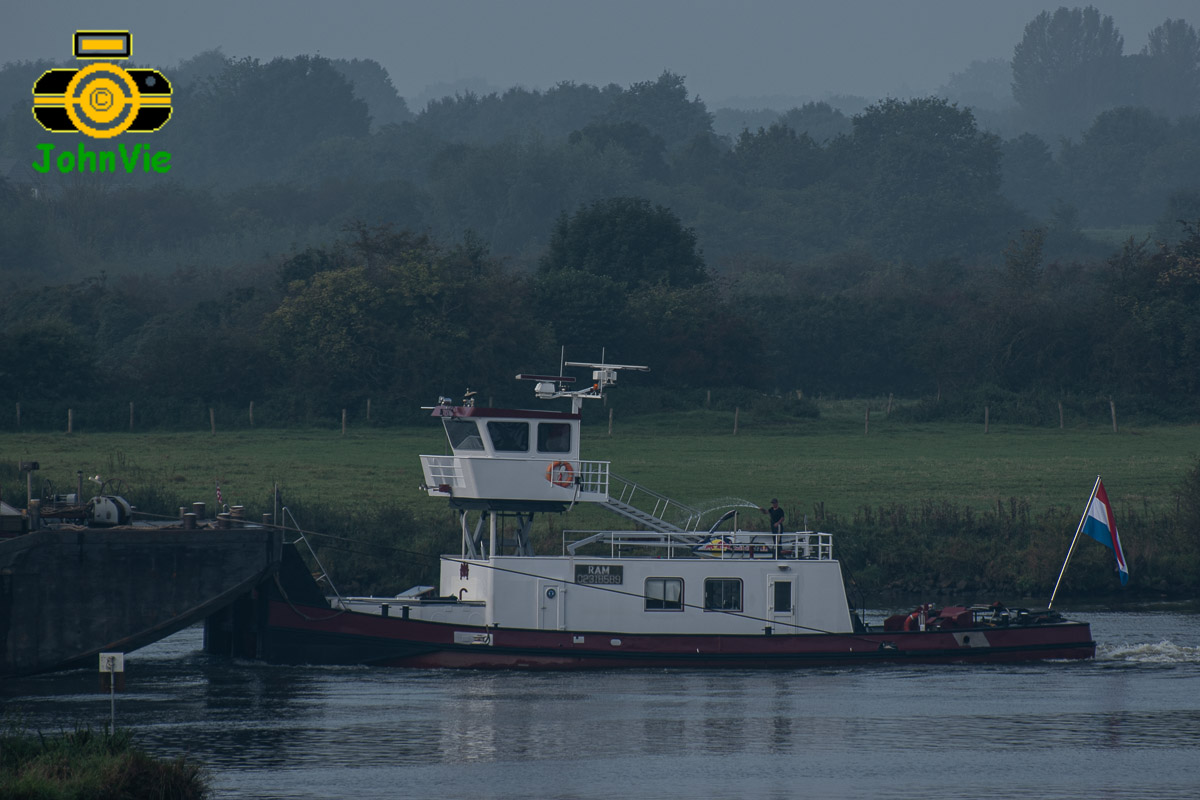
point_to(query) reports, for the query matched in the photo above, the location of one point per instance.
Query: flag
(1100, 524)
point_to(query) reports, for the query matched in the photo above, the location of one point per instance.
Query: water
(1124, 725)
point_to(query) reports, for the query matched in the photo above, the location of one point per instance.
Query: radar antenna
(552, 387)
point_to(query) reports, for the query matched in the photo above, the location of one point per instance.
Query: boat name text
(600, 574)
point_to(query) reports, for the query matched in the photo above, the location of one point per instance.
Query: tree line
(401, 317)
(317, 242)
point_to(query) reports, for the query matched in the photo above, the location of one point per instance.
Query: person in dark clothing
(776, 514)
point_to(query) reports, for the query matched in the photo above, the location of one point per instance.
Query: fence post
(610, 412)
(18, 415)
(251, 413)
(343, 422)
(1112, 407)
(867, 421)
(707, 398)
(70, 419)
(1060, 415)
(736, 410)
(131, 416)
(986, 413)
(368, 409)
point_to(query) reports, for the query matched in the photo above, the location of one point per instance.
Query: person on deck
(776, 515)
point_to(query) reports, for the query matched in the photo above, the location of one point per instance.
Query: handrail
(738, 545)
(662, 505)
(286, 512)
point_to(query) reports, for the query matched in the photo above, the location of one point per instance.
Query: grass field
(691, 456)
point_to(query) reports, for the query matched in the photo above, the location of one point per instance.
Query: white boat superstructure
(673, 590)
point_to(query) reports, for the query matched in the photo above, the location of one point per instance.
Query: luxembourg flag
(1100, 524)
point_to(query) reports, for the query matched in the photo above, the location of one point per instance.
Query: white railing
(655, 504)
(593, 477)
(796, 546)
(444, 470)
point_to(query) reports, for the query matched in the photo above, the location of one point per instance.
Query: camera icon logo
(102, 100)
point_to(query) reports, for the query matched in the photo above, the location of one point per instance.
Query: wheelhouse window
(722, 594)
(463, 434)
(554, 437)
(664, 594)
(509, 437)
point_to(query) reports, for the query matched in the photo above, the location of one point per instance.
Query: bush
(83, 764)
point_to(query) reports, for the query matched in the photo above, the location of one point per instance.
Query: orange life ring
(913, 621)
(560, 473)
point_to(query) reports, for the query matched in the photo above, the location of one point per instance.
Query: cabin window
(782, 601)
(509, 437)
(463, 434)
(723, 594)
(664, 594)
(554, 437)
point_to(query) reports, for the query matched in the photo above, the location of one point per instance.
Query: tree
(644, 147)
(251, 120)
(821, 121)
(982, 85)
(1031, 178)
(627, 240)
(1104, 171)
(926, 180)
(397, 312)
(662, 106)
(1066, 68)
(777, 157)
(373, 85)
(1169, 79)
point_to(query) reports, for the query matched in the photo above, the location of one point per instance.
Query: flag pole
(1071, 550)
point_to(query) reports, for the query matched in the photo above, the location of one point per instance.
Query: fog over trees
(1032, 230)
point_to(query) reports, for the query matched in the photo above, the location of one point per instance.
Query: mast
(1071, 550)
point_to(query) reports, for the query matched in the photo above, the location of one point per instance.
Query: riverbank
(941, 510)
(86, 764)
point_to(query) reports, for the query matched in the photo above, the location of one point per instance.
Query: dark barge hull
(69, 593)
(300, 634)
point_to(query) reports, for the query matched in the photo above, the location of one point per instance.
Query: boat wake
(1163, 652)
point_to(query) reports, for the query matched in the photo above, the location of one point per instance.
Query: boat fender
(560, 473)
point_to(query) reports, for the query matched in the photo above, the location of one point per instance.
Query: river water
(1124, 725)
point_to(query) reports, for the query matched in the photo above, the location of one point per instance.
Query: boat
(664, 589)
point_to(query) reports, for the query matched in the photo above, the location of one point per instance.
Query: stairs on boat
(648, 508)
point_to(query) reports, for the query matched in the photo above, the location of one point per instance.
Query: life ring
(913, 621)
(560, 473)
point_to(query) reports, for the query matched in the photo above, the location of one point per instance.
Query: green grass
(691, 456)
(915, 506)
(84, 764)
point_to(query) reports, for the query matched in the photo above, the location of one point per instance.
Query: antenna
(552, 387)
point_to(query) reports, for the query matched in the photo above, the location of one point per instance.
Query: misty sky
(752, 48)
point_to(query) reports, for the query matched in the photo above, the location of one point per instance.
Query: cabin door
(550, 606)
(781, 604)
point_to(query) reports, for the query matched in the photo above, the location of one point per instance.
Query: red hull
(299, 634)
